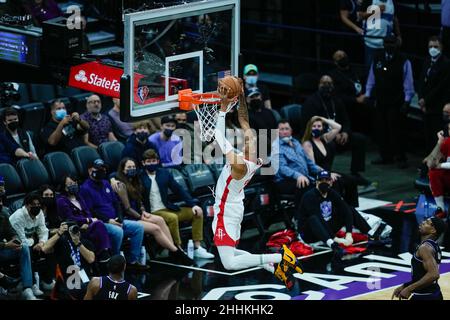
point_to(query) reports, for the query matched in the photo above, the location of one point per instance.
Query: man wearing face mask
(325, 103)
(10, 117)
(323, 213)
(251, 76)
(433, 89)
(64, 132)
(168, 145)
(104, 204)
(391, 84)
(100, 127)
(138, 142)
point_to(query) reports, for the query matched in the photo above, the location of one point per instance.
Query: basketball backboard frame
(170, 104)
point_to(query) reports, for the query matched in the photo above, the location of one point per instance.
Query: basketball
(233, 85)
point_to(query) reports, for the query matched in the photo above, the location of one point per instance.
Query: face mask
(286, 139)
(342, 63)
(142, 136)
(434, 52)
(13, 125)
(326, 91)
(316, 133)
(168, 132)
(98, 175)
(73, 189)
(251, 80)
(60, 114)
(151, 167)
(256, 104)
(48, 202)
(131, 173)
(34, 211)
(324, 187)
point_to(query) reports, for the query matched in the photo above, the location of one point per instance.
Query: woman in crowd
(52, 219)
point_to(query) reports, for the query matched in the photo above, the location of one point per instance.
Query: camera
(75, 229)
(8, 91)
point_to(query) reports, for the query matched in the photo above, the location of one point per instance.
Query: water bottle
(143, 257)
(190, 249)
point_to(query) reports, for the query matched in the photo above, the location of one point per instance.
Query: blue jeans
(130, 229)
(25, 263)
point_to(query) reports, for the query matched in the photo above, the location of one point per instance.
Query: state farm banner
(96, 77)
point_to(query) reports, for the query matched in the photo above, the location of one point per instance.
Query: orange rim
(187, 99)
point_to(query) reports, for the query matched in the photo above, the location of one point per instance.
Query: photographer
(72, 255)
(64, 132)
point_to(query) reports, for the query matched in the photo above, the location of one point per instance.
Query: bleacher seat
(82, 157)
(78, 102)
(216, 169)
(67, 91)
(292, 113)
(179, 178)
(276, 114)
(33, 174)
(43, 92)
(111, 153)
(13, 184)
(32, 116)
(58, 165)
(199, 177)
(16, 205)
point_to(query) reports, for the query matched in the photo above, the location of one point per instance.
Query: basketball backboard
(191, 45)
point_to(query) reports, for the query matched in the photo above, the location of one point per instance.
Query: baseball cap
(98, 164)
(250, 67)
(168, 119)
(253, 92)
(324, 175)
(439, 225)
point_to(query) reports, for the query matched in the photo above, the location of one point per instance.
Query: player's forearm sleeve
(445, 165)
(224, 145)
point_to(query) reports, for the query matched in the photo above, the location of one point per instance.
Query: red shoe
(439, 213)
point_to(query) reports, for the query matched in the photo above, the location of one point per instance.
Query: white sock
(271, 258)
(440, 202)
(329, 242)
(269, 267)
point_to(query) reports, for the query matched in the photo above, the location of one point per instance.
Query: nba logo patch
(325, 208)
(142, 93)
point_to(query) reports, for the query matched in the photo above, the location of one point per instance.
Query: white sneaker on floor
(47, 286)
(28, 294)
(36, 290)
(201, 253)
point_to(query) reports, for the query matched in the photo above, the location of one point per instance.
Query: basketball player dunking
(229, 196)
(113, 286)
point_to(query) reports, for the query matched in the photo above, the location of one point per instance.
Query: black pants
(433, 124)
(433, 296)
(44, 264)
(357, 144)
(316, 228)
(391, 131)
(289, 186)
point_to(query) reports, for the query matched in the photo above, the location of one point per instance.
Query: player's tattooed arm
(243, 113)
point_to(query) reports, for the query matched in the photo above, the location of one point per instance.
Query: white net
(207, 114)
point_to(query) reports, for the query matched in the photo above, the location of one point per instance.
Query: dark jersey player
(425, 265)
(113, 286)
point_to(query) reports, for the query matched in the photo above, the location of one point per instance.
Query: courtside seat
(293, 113)
(78, 102)
(276, 114)
(17, 204)
(32, 117)
(33, 174)
(216, 169)
(82, 157)
(13, 185)
(43, 92)
(111, 153)
(58, 165)
(179, 178)
(199, 178)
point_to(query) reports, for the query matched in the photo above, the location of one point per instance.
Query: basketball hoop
(206, 106)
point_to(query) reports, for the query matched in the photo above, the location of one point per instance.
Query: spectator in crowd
(433, 89)
(52, 219)
(435, 156)
(377, 27)
(157, 181)
(122, 130)
(326, 104)
(348, 11)
(100, 127)
(42, 10)
(113, 286)
(73, 255)
(323, 213)
(318, 144)
(130, 191)
(294, 170)
(64, 132)
(10, 151)
(391, 84)
(30, 227)
(168, 145)
(101, 200)
(10, 118)
(251, 75)
(11, 248)
(348, 87)
(181, 118)
(72, 208)
(138, 142)
(445, 22)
